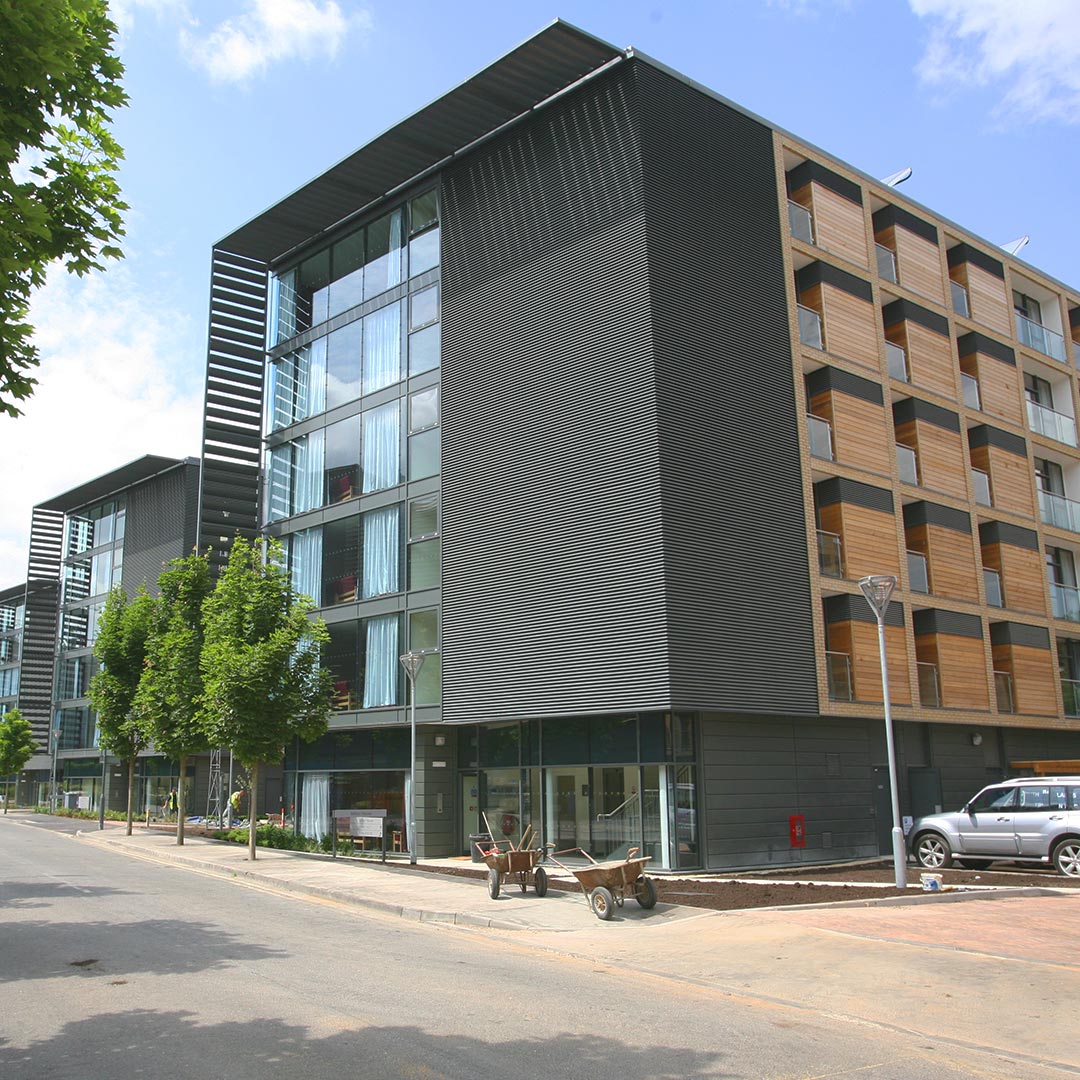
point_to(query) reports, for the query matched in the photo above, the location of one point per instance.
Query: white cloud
(1030, 50)
(270, 31)
(117, 380)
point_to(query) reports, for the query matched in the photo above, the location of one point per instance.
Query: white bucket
(930, 882)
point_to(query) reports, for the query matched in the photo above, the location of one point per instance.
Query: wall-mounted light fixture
(976, 739)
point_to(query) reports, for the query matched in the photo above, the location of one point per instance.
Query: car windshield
(992, 799)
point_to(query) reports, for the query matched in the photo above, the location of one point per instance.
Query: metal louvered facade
(233, 407)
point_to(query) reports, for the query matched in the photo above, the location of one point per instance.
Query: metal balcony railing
(971, 391)
(810, 328)
(1040, 338)
(992, 584)
(982, 487)
(908, 463)
(1066, 600)
(801, 221)
(1003, 688)
(918, 574)
(839, 666)
(897, 361)
(821, 445)
(1053, 424)
(1070, 692)
(1056, 510)
(830, 554)
(960, 299)
(886, 263)
(929, 688)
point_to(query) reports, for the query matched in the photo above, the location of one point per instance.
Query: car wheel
(1067, 858)
(974, 864)
(932, 851)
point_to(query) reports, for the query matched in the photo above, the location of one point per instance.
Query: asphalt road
(112, 967)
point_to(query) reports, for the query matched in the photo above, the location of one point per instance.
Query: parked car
(1033, 820)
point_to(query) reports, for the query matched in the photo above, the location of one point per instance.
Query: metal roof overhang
(544, 64)
(117, 480)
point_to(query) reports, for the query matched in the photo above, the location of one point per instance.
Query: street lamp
(878, 589)
(412, 662)
(52, 779)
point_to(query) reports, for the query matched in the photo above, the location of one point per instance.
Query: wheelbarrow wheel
(646, 893)
(540, 881)
(602, 903)
(493, 884)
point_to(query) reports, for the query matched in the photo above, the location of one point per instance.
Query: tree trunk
(7, 794)
(181, 802)
(131, 792)
(252, 816)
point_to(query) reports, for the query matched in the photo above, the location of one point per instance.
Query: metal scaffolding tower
(215, 807)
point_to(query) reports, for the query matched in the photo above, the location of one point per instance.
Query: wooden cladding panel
(857, 426)
(850, 329)
(866, 662)
(987, 298)
(961, 665)
(941, 456)
(1034, 683)
(1022, 576)
(930, 360)
(838, 224)
(918, 262)
(951, 558)
(999, 386)
(868, 538)
(1010, 479)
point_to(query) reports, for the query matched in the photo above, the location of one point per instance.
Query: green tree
(59, 199)
(168, 701)
(120, 647)
(263, 685)
(17, 746)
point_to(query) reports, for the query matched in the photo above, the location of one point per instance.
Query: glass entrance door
(616, 818)
(470, 809)
(567, 807)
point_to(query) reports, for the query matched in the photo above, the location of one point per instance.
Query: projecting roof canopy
(93, 490)
(541, 66)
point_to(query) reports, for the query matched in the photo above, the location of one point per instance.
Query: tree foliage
(120, 648)
(263, 685)
(17, 746)
(59, 199)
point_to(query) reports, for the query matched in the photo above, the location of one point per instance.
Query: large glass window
(423, 233)
(384, 251)
(341, 554)
(294, 476)
(424, 637)
(344, 355)
(381, 547)
(347, 266)
(424, 444)
(298, 385)
(342, 463)
(382, 348)
(425, 349)
(381, 651)
(424, 308)
(340, 657)
(424, 543)
(381, 454)
(305, 562)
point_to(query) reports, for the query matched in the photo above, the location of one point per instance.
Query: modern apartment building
(604, 393)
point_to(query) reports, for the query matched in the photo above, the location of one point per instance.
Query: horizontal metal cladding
(952, 623)
(975, 342)
(965, 253)
(850, 608)
(838, 489)
(908, 409)
(730, 471)
(232, 411)
(928, 513)
(901, 310)
(904, 219)
(1001, 532)
(985, 435)
(39, 655)
(843, 382)
(158, 524)
(814, 171)
(552, 574)
(1011, 633)
(823, 273)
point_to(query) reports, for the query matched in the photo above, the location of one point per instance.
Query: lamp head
(878, 589)
(412, 662)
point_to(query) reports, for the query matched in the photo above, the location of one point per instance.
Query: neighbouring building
(603, 393)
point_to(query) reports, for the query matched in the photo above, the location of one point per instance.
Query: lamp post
(878, 589)
(52, 779)
(412, 662)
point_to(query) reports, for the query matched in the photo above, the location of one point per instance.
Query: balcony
(918, 574)
(801, 221)
(929, 689)
(897, 361)
(992, 585)
(908, 463)
(1070, 692)
(1058, 511)
(1003, 689)
(810, 328)
(960, 299)
(981, 481)
(820, 437)
(1040, 338)
(886, 264)
(971, 391)
(1066, 602)
(830, 554)
(1052, 424)
(839, 667)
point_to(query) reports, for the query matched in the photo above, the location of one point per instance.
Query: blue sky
(235, 103)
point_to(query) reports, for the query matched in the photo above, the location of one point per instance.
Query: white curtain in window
(315, 805)
(381, 551)
(382, 348)
(380, 661)
(311, 380)
(282, 392)
(381, 449)
(278, 469)
(309, 455)
(305, 563)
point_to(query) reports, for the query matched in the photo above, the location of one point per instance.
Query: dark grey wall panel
(838, 489)
(843, 382)
(821, 273)
(1010, 633)
(985, 435)
(902, 310)
(731, 481)
(980, 343)
(1001, 532)
(160, 525)
(848, 607)
(928, 513)
(916, 409)
(954, 623)
(896, 215)
(813, 170)
(963, 253)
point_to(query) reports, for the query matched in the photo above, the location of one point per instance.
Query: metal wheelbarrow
(607, 884)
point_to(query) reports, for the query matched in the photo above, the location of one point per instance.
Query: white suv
(1036, 819)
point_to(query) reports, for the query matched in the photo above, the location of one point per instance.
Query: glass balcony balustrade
(801, 221)
(810, 328)
(1058, 511)
(886, 263)
(821, 445)
(1040, 338)
(1053, 425)
(971, 391)
(929, 688)
(1070, 692)
(992, 584)
(918, 572)
(960, 299)
(908, 463)
(1066, 600)
(897, 360)
(830, 554)
(839, 667)
(982, 487)
(1003, 688)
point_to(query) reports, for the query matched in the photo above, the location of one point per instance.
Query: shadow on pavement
(21, 894)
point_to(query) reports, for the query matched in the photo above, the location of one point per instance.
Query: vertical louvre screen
(39, 630)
